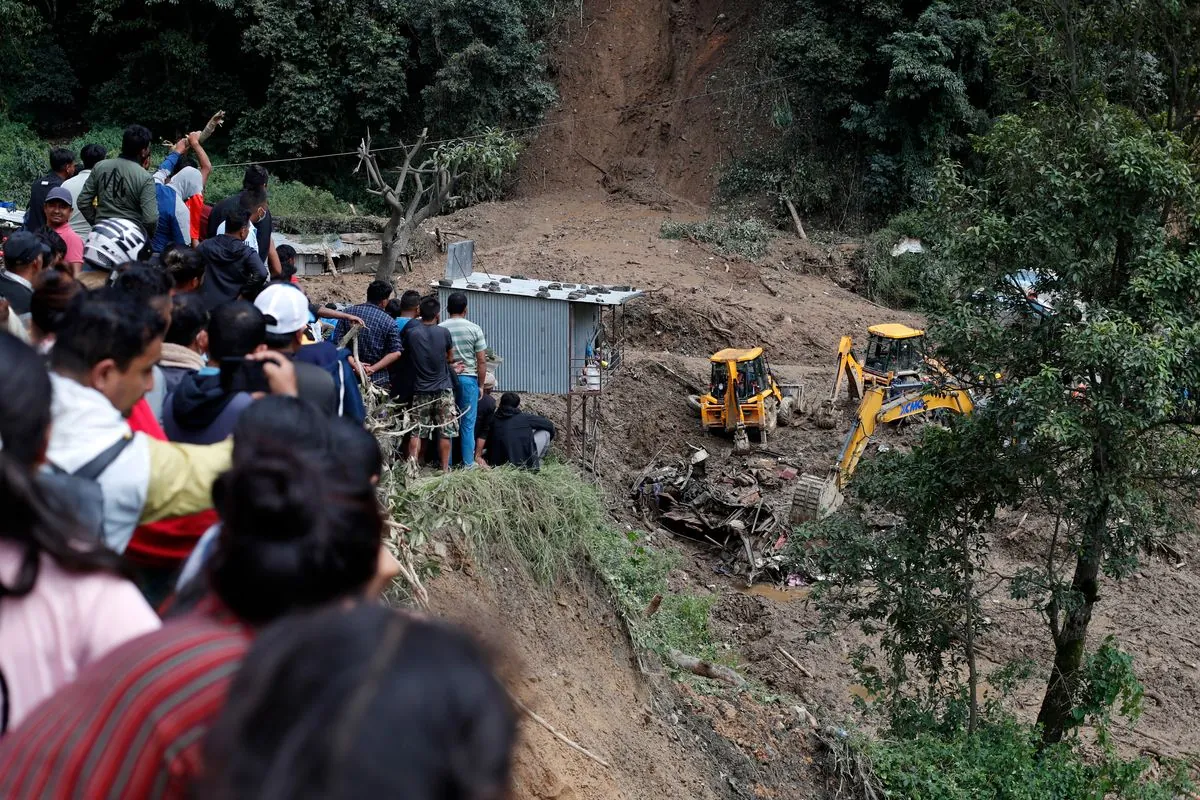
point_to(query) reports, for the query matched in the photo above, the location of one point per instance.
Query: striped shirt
(132, 724)
(468, 340)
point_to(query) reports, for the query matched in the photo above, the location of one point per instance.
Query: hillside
(637, 113)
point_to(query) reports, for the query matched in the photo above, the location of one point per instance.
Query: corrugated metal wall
(530, 334)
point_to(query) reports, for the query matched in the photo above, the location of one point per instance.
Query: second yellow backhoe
(817, 497)
(895, 356)
(895, 380)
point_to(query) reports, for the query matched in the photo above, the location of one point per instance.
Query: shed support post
(570, 419)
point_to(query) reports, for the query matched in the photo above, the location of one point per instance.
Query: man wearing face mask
(253, 198)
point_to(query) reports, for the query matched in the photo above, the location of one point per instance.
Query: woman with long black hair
(64, 600)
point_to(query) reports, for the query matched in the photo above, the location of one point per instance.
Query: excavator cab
(742, 395)
(895, 351)
(895, 359)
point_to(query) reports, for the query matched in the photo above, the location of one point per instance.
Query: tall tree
(1093, 413)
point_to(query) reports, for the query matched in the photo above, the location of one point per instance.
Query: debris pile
(741, 508)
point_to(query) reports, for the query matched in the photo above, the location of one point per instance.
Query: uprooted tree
(427, 187)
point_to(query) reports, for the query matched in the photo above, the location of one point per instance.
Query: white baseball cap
(284, 306)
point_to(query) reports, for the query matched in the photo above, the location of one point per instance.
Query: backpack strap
(95, 468)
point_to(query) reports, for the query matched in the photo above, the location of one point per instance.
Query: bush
(23, 158)
(290, 199)
(747, 237)
(910, 280)
(1003, 760)
(539, 520)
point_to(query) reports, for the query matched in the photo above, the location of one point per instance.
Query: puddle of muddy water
(769, 592)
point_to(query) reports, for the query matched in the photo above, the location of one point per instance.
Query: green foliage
(908, 280)
(1089, 416)
(743, 237)
(1005, 761)
(23, 158)
(871, 94)
(487, 69)
(484, 163)
(913, 584)
(288, 198)
(637, 572)
(294, 78)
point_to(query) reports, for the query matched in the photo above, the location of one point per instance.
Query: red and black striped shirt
(131, 726)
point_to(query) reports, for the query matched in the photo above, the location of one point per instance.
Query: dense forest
(295, 79)
(874, 93)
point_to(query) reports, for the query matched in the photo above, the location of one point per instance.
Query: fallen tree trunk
(705, 669)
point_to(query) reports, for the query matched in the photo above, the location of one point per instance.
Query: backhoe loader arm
(733, 408)
(848, 369)
(872, 411)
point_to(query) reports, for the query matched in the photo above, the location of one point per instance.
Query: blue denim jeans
(466, 396)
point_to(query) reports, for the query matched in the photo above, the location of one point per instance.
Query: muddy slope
(629, 119)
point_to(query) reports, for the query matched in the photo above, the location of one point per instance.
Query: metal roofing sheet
(553, 290)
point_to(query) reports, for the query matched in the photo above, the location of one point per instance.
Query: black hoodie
(511, 438)
(199, 411)
(231, 268)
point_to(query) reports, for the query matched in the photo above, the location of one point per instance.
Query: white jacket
(85, 425)
(150, 480)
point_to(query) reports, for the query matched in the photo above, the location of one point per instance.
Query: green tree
(1093, 413)
(906, 80)
(916, 583)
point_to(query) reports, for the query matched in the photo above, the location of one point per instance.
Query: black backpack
(80, 490)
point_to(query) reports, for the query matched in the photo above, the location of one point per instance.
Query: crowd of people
(193, 546)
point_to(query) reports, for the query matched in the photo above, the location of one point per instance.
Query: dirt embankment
(635, 114)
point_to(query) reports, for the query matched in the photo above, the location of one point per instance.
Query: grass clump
(551, 522)
(743, 237)
(637, 573)
(541, 520)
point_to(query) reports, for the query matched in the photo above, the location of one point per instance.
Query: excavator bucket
(741, 441)
(815, 498)
(825, 415)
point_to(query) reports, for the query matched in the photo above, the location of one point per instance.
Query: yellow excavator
(892, 383)
(895, 355)
(744, 396)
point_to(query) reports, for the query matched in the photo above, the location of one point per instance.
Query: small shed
(546, 333)
(344, 252)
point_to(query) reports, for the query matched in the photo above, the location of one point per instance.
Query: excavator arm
(848, 369)
(733, 408)
(816, 497)
(873, 411)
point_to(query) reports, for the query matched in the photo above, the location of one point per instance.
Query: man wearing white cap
(287, 312)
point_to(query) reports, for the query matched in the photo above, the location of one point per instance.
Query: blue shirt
(168, 230)
(401, 322)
